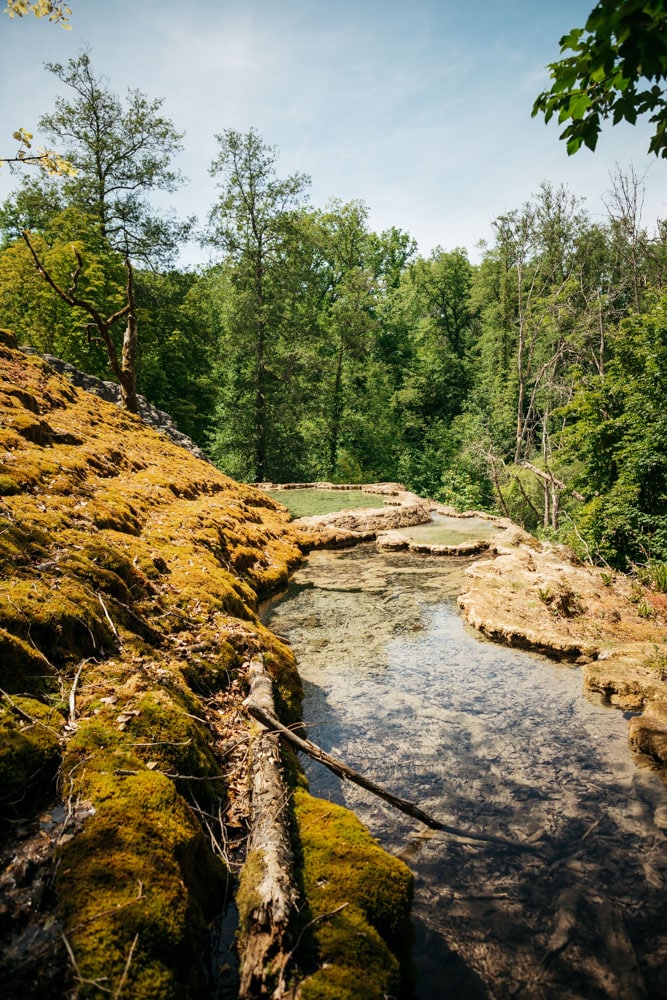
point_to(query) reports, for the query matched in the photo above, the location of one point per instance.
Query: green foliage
(618, 428)
(616, 69)
(121, 151)
(59, 13)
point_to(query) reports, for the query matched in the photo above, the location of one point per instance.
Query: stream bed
(494, 740)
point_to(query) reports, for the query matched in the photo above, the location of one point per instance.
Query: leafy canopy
(615, 67)
(121, 151)
(48, 159)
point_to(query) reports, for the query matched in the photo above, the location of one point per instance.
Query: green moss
(100, 514)
(357, 963)
(166, 735)
(130, 877)
(206, 673)
(247, 897)
(29, 754)
(8, 486)
(364, 950)
(65, 622)
(288, 689)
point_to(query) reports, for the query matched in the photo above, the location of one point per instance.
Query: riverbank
(538, 596)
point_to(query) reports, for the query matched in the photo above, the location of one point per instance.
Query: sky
(419, 108)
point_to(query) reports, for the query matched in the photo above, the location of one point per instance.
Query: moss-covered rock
(137, 887)
(30, 734)
(362, 951)
(130, 576)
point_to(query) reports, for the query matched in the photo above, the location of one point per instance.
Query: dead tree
(267, 895)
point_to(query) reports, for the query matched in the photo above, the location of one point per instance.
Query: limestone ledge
(537, 596)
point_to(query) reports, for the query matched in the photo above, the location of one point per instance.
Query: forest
(531, 384)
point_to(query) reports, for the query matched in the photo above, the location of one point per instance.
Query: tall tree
(120, 152)
(254, 223)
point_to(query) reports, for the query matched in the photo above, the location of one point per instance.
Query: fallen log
(271, 723)
(267, 893)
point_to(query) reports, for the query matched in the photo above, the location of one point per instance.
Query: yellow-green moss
(206, 671)
(247, 896)
(363, 951)
(122, 554)
(22, 667)
(139, 870)
(64, 623)
(29, 754)
(288, 688)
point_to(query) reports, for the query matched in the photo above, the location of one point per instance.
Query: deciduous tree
(254, 223)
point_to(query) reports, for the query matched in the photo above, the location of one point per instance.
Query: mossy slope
(130, 575)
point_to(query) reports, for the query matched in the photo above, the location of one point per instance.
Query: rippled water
(494, 740)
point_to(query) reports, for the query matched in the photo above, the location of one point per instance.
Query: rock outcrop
(110, 391)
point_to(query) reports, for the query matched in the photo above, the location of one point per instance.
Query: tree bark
(268, 719)
(267, 895)
(124, 369)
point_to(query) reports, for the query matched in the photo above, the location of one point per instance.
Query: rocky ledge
(343, 528)
(530, 594)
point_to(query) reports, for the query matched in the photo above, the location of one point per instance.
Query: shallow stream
(493, 740)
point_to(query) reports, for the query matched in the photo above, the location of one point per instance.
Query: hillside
(131, 574)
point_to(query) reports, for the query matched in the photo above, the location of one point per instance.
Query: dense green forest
(532, 383)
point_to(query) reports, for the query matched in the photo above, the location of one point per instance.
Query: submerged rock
(538, 596)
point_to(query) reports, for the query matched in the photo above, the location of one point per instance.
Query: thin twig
(108, 618)
(72, 695)
(280, 989)
(118, 992)
(26, 716)
(77, 971)
(116, 909)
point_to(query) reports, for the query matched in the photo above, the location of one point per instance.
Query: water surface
(490, 739)
(444, 530)
(310, 501)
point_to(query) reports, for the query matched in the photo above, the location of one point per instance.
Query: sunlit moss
(136, 569)
(363, 950)
(138, 880)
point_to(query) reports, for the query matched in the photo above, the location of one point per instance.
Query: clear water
(490, 739)
(443, 530)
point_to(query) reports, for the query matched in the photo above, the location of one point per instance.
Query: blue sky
(420, 108)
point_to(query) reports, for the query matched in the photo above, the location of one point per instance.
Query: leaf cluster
(59, 13)
(615, 67)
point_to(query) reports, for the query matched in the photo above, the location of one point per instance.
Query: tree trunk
(267, 894)
(128, 372)
(336, 413)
